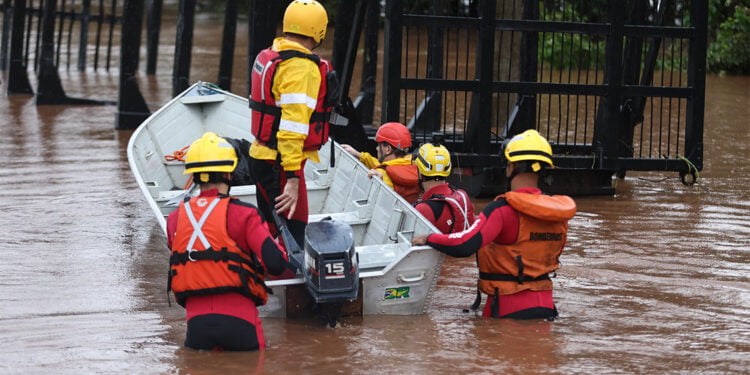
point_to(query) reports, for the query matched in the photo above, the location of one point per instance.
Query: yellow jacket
(295, 89)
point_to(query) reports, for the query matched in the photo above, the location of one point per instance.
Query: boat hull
(395, 277)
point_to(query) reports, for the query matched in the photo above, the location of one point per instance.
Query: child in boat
(221, 249)
(393, 165)
(446, 207)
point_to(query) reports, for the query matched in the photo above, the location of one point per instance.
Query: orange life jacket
(525, 264)
(266, 115)
(205, 260)
(405, 180)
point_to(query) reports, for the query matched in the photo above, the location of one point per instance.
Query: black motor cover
(331, 264)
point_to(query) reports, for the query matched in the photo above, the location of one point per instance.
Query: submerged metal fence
(620, 89)
(46, 35)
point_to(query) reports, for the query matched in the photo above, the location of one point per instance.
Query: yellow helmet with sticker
(433, 160)
(306, 17)
(529, 146)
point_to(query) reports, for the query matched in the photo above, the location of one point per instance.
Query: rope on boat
(178, 155)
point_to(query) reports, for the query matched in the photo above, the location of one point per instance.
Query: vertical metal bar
(83, 40)
(697, 83)
(183, 46)
(224, 80)
(131, 107)
(344, 24)
(392, 61)
(72, 15)
(261, 30)
(405, 68)
(38, 39)
(607, 131)
(60, 28)
(18, 79)
(112, 21)
(100, 21)
(480, 131)
(7, 14)
(365, 102)
(49, 90)
(153, 26)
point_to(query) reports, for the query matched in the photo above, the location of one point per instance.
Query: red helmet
(395, 134)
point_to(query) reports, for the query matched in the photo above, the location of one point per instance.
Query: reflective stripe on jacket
(525, 264)
(205, 260)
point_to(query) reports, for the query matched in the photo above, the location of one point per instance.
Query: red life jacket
(458, 203)
(525, 264)
(205, 260)
(266, 115)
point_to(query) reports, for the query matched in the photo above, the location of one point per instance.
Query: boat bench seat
(378, 255)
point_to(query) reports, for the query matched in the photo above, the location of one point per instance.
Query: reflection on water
(654, 278)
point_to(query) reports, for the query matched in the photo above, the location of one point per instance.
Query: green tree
(730, 51)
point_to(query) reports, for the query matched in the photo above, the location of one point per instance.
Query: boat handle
(403, 279)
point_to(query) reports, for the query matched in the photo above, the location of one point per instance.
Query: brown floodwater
(654, 279)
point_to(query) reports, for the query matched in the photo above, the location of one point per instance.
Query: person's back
(517, 238)
(221, 250)
(446, 207)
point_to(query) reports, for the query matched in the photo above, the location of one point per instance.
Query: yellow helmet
(433, 160)
(210, 153)
(531, 146)
(306, 17)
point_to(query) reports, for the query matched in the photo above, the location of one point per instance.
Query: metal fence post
(263, 16)
(224, 80)
(18, 78)
(183, 47)
(392, 61)
(479, 132)
(697, 80)
(153, 26)
(131, 107)
(7, 14)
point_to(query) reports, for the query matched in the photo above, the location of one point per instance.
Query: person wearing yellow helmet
(447, 207)
(220, 290)
(393, 164)
(291, 98)
(518, 238)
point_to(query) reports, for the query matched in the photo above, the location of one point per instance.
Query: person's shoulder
(497, 204)
(243, 204)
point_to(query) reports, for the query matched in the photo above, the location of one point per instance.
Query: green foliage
(730, 52)
(564, 50)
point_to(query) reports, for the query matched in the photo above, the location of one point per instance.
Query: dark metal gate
(613, 89)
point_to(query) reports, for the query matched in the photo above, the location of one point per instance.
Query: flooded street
(655, 279)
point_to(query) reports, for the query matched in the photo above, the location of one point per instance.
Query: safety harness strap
(198, 225)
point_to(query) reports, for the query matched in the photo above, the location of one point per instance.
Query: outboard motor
(331, 269)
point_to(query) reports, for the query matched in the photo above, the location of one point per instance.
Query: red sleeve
(497, 222)
(247, 228)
